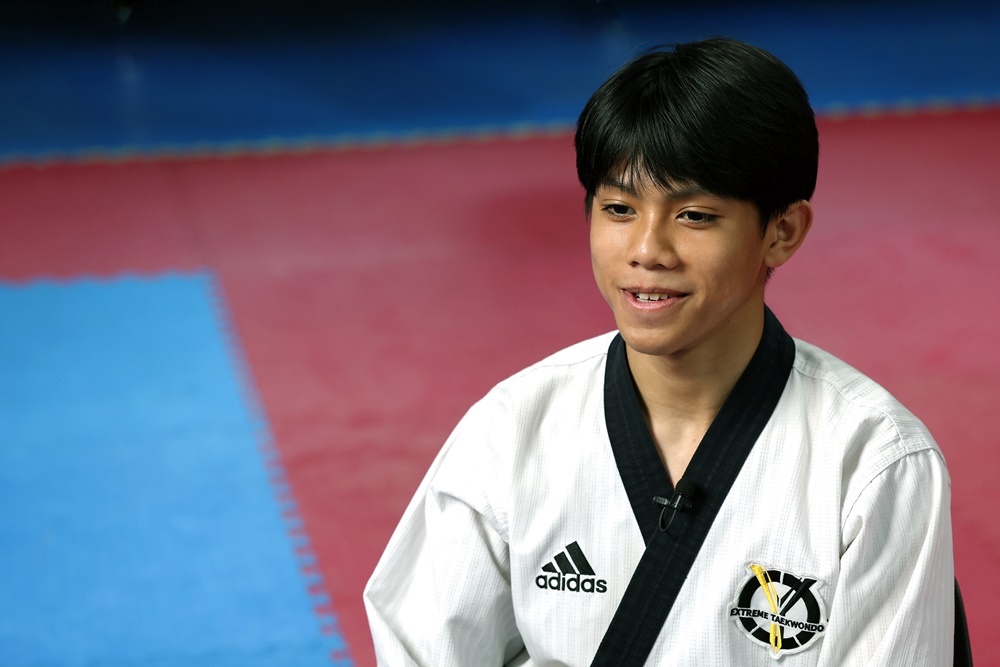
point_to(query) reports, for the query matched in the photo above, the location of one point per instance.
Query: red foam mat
(379, 292)
(405, 283)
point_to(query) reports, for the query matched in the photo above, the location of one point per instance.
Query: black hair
(719, 113)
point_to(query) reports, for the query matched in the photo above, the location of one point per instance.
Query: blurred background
(257, 258)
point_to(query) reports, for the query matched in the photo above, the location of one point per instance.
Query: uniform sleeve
(894, 600)
(440, 595)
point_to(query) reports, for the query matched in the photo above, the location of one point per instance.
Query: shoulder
(569, 371)
(854, 416)
(585, 353)
(556, 387)
(556, 395)
(824, 377)
(559, 389)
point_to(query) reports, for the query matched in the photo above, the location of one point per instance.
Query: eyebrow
(618, 184)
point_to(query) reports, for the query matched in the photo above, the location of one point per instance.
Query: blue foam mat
(139, 520)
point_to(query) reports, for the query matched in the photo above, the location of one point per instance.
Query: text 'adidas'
(574, 575)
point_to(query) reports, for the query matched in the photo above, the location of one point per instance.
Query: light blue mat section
(139, 523)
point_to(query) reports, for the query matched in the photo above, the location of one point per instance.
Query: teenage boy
(697, 488)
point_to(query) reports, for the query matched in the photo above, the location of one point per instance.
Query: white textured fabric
(844, 487)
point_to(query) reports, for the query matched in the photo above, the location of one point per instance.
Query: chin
(651, 343)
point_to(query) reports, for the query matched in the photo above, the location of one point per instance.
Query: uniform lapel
(712, 471)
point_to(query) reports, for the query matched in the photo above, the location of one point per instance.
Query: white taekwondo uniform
(522, 538)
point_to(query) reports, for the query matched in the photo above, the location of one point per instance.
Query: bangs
(655, 134)
(721, 115)
(633, 172)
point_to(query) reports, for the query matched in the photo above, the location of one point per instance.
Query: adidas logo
(574, 575)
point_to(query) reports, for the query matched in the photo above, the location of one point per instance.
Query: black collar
(720, 456)
(639, 464)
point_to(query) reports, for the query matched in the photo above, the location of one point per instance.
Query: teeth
(650, 297)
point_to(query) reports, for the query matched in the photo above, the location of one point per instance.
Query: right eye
(618, 210)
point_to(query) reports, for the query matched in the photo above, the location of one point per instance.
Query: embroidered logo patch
(780, 610)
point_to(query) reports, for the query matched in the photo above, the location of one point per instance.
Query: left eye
(698, 216)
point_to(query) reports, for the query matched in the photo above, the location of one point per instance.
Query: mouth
(652, 296)
(652, 300)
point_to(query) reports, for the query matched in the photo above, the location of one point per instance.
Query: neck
(682, 393)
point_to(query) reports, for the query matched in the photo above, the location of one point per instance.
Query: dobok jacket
(832, 546)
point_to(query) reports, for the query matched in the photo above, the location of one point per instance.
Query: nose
(651, 245)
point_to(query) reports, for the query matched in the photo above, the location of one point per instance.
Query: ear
(787, 232)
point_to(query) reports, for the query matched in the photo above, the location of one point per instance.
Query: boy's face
(683, 270)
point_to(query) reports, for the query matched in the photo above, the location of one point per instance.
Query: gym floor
(255, 263)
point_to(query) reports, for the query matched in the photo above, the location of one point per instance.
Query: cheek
(601, 250)
(601, 260)
(740, 270)
(600, 274)
(729, 267)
